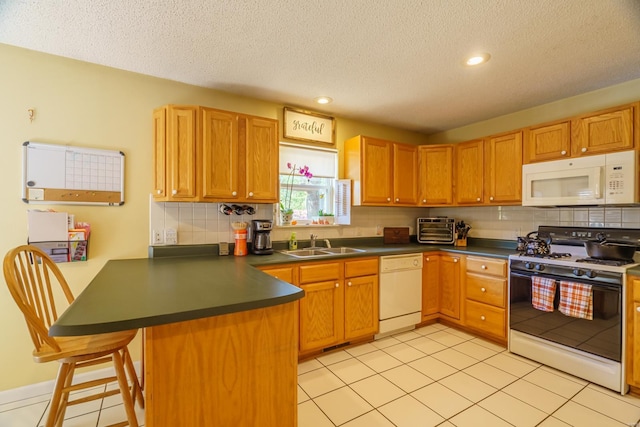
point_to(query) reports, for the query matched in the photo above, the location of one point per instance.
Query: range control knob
(591, 274)
(528, 265)
(578, 272)
(539, 267)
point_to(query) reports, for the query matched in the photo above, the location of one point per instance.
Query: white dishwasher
(400, 293)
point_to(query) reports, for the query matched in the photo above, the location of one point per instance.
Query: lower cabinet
(340, 302)
(450, 286)
(633, 331)
(486, 296)
(430, 286)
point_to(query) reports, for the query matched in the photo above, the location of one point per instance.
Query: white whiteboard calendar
(72, 175)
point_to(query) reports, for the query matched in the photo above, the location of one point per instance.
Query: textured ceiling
(398, 62)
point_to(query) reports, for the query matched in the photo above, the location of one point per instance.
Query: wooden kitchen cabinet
(177, 146)
(450, 286)
(383, 173)
(214, 155)
(340, 302)
(283, 272)
(547, 142)
(633, 332)
(503, 169)
(430, 285)
(435, 175)
(604, 131)
(469, 172)
(486, 296)
(361, 298)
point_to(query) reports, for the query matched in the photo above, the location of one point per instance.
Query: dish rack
(436, 230)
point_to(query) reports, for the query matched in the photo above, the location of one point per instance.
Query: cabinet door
(633, 331)
(436, 174)
(430, 284)
(261, 160)
(160, 154)
(609, 130)
(469, 160)
(503, 169)
(360, 306)
(548, 142)
(405, 174)
(450, 286)
(182, 152)
(219, 155)
(321, 315)
(377, 173)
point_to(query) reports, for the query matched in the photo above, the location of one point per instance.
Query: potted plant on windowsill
(286, 211)
(324, 218)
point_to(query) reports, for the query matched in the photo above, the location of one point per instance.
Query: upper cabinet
(203, 154)
(613, 129)
(547, 142)
(503, 169)
(469, 172)
(436, 174)
(604, 131)
(384, 173)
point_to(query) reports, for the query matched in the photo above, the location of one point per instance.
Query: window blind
(321, 163)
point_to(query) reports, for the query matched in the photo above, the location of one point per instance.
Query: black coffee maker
(261, 237)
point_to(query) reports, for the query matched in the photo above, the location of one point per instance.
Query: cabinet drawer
(496, 267)
(361, 267)
(282, 273)
(488, 290)
(486, 318)
(319, 272)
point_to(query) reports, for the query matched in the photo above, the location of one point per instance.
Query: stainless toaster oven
(436, 230)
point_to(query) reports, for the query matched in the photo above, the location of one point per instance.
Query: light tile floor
(433, 376)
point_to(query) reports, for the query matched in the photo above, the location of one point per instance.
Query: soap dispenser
(293, 242)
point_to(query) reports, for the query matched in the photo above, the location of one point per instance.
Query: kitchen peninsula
(221, 338)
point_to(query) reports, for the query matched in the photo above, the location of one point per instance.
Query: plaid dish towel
(576, 300)
(543, 290)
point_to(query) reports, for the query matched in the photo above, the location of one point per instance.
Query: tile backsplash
(203, 223)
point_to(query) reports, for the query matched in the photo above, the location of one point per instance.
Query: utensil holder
(461, 242)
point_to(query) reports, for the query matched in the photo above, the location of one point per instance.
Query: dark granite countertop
(179, 283)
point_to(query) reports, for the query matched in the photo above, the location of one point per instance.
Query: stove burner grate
(552, 255)
(613, 262)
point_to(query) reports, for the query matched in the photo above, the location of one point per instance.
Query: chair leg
(124, 389)
(136, 388)
(54, 404)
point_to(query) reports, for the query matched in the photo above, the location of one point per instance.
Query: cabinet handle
(427, 259)
(424, 200)
(638, 309)
(584, 149)
(234, 193)
(337, 285)
(397, 200)
(159, 191)
(563, 153)
(484, 267)
(388, 199)
(250, 193)
(455, 260)
(174, 192)
(349, 283)
(491, 198)
(478, 199)
(483, 318)
(483, 289)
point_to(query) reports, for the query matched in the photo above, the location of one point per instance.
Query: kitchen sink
(318, 252)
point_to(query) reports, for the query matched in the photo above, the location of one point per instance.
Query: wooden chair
(35, 282)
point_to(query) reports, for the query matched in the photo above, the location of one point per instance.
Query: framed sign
(307, 126)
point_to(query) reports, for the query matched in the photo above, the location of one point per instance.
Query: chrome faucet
(327, 242)
(313, 240)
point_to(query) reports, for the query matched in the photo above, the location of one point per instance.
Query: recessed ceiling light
(477, 59)
(323, 100)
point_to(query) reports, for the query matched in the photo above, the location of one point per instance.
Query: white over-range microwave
(605, 179)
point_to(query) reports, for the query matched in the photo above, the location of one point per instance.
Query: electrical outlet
(171, 236)
(157, 237)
